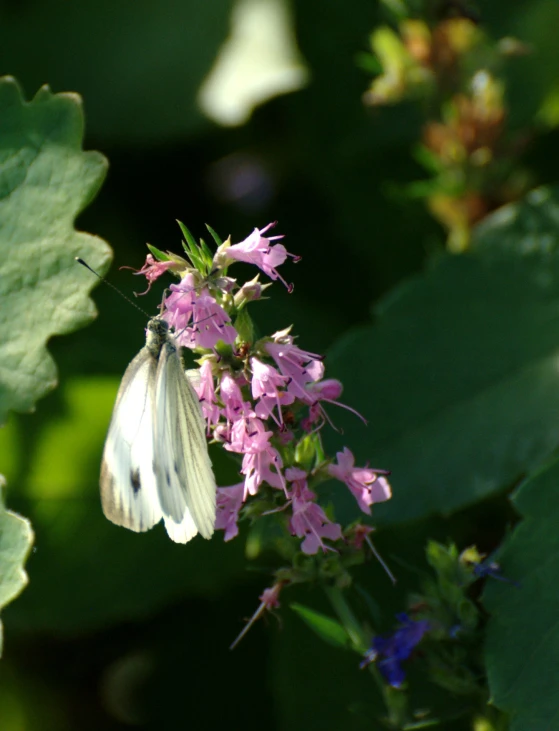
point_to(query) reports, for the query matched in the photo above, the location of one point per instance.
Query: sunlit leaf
(46, 179)
(16, 538)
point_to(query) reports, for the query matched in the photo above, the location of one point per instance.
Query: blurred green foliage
(456, 373)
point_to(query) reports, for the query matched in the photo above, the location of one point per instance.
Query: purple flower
(257, 468)
(199, 321)
(298, 365)
(266, 384)
(235, 407)
(309, 519)
(367, 485)
(229, 503)
(204, 387)
(248, 436)
(258, 250)
(265, 407)
(389, 651)
(330, 389)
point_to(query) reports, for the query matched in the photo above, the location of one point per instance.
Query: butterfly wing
(181, 532)
(129, 494)
(185, 480)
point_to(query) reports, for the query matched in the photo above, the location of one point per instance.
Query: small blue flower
(390, 650)
(492, 569)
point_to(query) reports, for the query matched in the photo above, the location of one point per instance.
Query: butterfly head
(157, 333)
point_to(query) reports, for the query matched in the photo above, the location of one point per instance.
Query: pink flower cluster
(263, 397)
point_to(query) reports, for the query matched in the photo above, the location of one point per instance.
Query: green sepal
(446, 562)
(205, 255)
(244, 326)
(191, 249)
(306, 452)
(214, 235)
(188, 238)
(158, 254)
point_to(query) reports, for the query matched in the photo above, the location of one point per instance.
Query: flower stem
(347, 618)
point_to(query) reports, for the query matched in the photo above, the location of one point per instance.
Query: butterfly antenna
(116, 289)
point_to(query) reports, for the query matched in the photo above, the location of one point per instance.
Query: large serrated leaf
(46, 180)
(459, 376)
(522, 646)
(16, 538)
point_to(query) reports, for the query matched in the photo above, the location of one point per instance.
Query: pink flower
(266, 384)
(256, 249)
(316, 413)
(198, 320)
(298, 365)
(229, 503)
(248, 436)
(234, 406)
(249, 292)
(257, 468)
(265, 407)
(328, 390)
(153, 269)
(206, 393)
(368, 486)
(359, 535)
(265, 380)
(210, 324)
(269, 599)
(178, 305)
(309, 519)
(270, 596)
(261, 462)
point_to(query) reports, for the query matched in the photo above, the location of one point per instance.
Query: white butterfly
(156, 463)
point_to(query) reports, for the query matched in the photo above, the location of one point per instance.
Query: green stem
(347, 618)
(395, 701)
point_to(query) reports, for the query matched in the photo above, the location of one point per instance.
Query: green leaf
(158, 254)
(522, 643)
(46, 180)
(325, 627)
(459, 378)
(16, 538)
